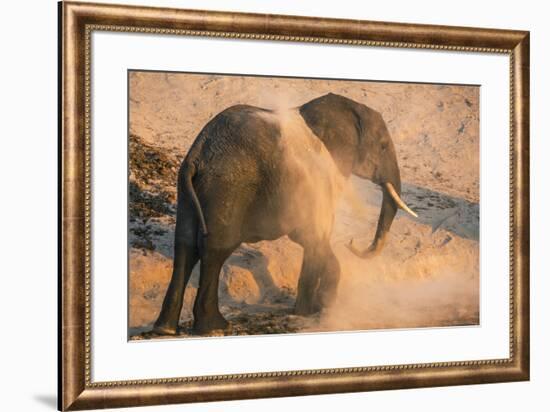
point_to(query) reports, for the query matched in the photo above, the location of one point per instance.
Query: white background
(113, 358)
(29, 186)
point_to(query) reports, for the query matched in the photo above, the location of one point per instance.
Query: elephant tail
(188, 174)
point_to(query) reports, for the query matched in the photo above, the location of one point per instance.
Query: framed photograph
(264, 205)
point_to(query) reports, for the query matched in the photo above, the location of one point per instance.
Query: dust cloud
(423, 291)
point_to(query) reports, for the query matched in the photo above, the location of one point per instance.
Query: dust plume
(424, 290)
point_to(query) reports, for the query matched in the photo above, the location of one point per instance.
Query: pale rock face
(239, 285)
(149, 277)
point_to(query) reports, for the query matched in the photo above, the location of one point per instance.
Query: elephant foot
(210, 325)
(307, 308)
(164, 330)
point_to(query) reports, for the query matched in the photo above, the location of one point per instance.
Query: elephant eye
(384, 146)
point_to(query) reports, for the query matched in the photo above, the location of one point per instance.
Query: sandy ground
(428, 273)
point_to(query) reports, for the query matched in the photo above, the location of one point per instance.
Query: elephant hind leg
(186, 255)
(318, 280)
(184, 260)
(206, 310)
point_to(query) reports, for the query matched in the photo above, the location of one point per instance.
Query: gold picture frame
(77, 21)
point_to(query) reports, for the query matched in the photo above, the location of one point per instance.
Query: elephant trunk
(390, 203)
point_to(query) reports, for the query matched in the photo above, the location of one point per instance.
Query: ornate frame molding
(77, 21)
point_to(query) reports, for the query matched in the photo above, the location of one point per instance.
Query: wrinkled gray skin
(235, 186)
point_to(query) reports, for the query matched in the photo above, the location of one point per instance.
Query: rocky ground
(428, 273)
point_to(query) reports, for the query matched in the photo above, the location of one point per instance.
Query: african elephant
(254, 174)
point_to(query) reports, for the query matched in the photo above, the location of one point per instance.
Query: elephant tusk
(398, 200)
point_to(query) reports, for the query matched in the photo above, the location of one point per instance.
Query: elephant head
(359, 142)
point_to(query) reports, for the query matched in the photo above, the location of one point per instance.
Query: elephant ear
(373, 133)
(334, 121)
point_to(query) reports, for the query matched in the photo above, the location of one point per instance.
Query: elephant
(255, 174)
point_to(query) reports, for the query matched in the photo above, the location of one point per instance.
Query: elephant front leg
(206, 311)
(329, 279)
(308, 283)
(318, 281)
